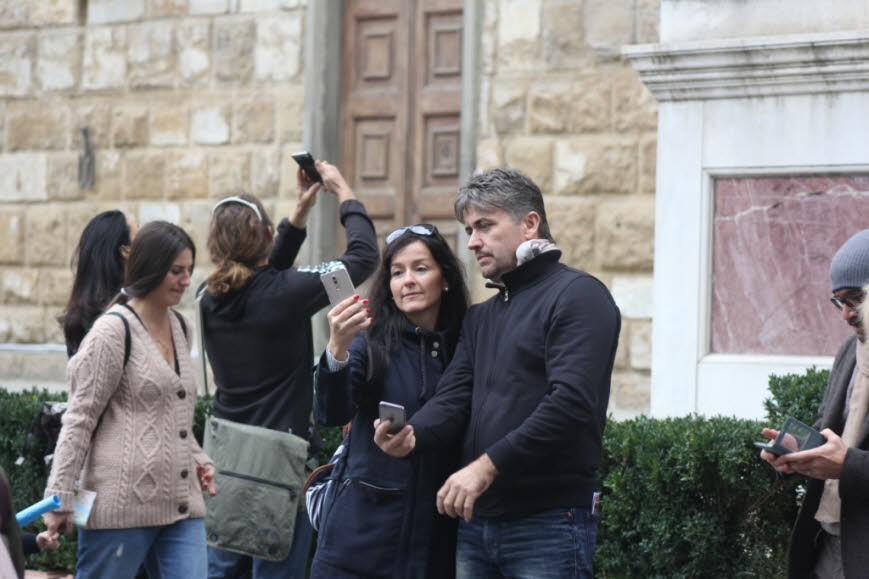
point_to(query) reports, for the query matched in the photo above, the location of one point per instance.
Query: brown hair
(237, 241)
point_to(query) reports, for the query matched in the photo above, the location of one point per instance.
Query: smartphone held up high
(306, 162)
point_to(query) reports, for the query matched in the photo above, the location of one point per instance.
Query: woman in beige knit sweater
(127, 433)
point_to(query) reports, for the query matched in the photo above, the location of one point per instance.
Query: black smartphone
(393, 413)
(306, 162)
(794, 436)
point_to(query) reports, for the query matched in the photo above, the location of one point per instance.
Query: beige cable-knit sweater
(141, 456)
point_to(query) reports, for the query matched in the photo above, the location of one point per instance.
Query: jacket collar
(529, 272)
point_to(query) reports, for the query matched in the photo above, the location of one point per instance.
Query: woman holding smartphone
(257, 327)
(383, 521)
(127, 434)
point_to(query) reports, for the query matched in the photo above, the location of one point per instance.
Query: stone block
(209, 6)
(278, 47)
(22, 324)
(58, 66)
(150, 55)
(647, 15)
(110, 11)
(11, 235)
(490, 154)
(19, 286)
(489, 38)
(290, 105)
(196, 219)
(648, 164)
(609, 25)
(145, 175)
(253, 120)
(210, 125)
(266, 172)
(234, 43)
(633, 294)
(77, 217)
(626, 233)
(14, 14)
(193, 39)
(187, 174)
(45, 235)
(532, 156)
(570, 106)
(167, 8)
(519, 38)
(37, 125)
(630, 395)
(508, 105)
(17, 52)
(22, 177)
(563, 34)
(109, 175)
(97, 117)
(54, 286)
(641, 344)
(595, 165)
(129, 126)
(228, 172)
(169, 123)
(53, 12)
(262, 5)
(634, 106)
(105, 58)
(572, 222)
(62, 177)
(43, 369)
(150, 211)
(623, 357)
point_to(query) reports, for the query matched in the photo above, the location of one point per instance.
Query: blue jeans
(168, 551)
(228, 565)
(556, 544)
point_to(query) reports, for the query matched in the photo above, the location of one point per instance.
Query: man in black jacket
(527, 390)
(829, 536)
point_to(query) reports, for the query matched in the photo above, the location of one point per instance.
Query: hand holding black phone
(306, 162)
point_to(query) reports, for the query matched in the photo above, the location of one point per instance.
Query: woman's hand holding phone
(307, 197)
(345, 320)
(334, 181)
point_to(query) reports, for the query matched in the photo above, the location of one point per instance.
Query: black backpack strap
(127, 339)
(183, 324)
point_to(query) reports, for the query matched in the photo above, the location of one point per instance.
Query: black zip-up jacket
(259, 338)
(531, 380)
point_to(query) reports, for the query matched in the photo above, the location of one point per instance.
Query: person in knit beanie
(832, 527)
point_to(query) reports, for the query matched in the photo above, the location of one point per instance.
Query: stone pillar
(761, 175)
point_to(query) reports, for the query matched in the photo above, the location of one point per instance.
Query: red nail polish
(367, 311)
(364, 301)
(356, 297)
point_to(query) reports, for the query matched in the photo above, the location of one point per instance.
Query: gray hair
(506, 189)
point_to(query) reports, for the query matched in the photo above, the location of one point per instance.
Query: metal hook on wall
(85, 161)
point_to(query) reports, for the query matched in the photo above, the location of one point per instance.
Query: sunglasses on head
(419, 229)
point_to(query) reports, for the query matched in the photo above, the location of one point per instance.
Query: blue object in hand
(36, 510)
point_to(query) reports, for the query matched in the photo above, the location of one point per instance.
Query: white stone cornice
(750, 67)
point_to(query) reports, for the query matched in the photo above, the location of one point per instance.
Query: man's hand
(205, 474)
(774, 459)
(822, 462)
(47, 540)
(458, 495)
(399, 444)
(57, 523)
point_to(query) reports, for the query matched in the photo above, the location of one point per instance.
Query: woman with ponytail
(127, 434)
(257, 326)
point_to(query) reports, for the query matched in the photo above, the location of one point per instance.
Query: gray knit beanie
(850, 265)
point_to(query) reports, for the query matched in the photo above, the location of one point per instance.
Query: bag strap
(200, 320)
(127, 339)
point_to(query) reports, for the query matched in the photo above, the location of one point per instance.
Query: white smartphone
(338, 286)
(393, 413)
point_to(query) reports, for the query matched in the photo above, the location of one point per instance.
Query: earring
(446, 288)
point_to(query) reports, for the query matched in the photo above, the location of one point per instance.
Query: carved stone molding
(752, 67)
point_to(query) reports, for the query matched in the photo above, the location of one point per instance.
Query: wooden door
(401, 100)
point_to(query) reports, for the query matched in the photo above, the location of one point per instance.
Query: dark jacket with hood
(383, 521)
(531, 380)
(259, 338)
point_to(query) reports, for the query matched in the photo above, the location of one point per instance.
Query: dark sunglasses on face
(851, 301)
(419, 229)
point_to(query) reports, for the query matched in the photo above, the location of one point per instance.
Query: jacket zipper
(375, 487)
(263, 481)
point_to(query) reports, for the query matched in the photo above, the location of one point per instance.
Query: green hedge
(683, 497)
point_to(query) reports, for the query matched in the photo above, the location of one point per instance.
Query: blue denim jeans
(228, 565)
(556, 544)
(168, 551)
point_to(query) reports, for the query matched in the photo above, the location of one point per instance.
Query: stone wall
(559, 103)
(185, 101)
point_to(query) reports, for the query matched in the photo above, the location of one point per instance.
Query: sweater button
(434, 353)
(184, 473)
(182, 509)
(183, 434)
(182, 394)
(436, 345)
